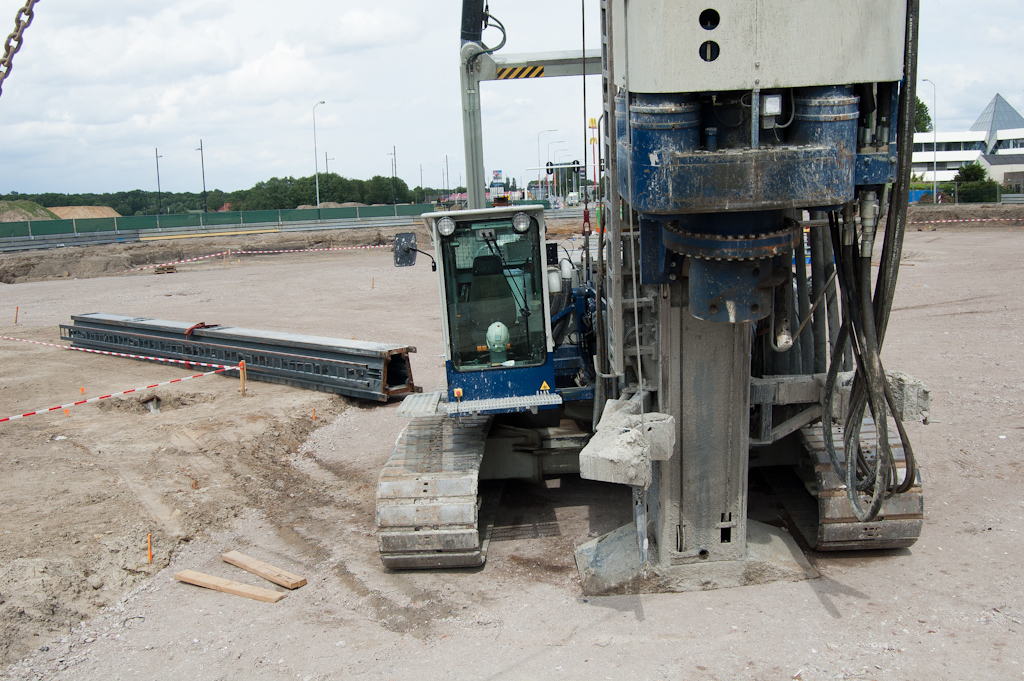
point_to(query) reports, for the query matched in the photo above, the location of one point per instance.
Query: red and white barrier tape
(176, 262)
(104, 397)
(939, 222)
(314, 250)
(118, 354)
(217, 255)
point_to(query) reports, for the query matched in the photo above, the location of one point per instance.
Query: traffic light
(551, 170)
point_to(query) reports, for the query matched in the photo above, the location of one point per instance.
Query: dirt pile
(965, 211)
(84, 212)
(332, 204)
(90, 500)
(22, 211)
(83, 262)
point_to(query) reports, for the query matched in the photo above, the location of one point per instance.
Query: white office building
(1004, 168)
(999, 129)
(1010, 142)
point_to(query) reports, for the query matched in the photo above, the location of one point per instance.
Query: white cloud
(98, 86)
(971, 51)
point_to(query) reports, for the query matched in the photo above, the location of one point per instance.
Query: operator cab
(492, 276)
(493, 292)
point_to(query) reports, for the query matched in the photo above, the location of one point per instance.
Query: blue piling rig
(709, 183)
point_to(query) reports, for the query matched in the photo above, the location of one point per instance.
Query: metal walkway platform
(372, 371)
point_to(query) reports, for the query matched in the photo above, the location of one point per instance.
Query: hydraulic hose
(865, 319)
(472, 21)
(884, 464)
(895, 224)
(878, 479)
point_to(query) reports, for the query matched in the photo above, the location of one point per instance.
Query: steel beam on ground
(373, 371)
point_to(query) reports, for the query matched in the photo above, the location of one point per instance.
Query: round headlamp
(521, 222)
(446, 226)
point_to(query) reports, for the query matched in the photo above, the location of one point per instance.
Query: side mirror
(405, 249)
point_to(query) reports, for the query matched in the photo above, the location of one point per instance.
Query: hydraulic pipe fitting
(868, 222)
(849, 225)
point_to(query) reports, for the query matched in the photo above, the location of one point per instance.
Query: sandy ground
(214, 471)
(102, 261)
(84, 212)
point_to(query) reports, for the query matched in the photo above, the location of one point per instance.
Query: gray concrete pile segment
(610, 565)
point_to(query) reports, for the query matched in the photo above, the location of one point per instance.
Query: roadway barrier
(24, 242)
(18, 236)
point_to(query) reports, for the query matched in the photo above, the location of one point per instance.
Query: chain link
(22, 21)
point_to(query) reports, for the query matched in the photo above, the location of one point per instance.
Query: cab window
(493, 292)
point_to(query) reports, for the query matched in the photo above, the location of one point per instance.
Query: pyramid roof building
(998, 115)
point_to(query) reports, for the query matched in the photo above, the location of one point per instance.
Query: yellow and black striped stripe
(510, 73)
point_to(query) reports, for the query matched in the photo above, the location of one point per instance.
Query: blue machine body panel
(877, 168)
(669, 172)
(499, 382)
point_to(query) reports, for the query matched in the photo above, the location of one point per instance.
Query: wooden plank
(264, 570)
(227, 586)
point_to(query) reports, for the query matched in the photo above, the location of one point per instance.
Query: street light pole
(202, 163)
(316, 160)
(156, 152)
(327, 176)
(935, 145)
(548, 192)
(538, 154)
(394, 171)
(558, 172)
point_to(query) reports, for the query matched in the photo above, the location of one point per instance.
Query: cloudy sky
(99, 85)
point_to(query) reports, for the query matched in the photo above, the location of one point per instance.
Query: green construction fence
(204, 220)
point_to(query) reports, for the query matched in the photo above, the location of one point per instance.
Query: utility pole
(935, 144)
(547, 193)
(327, 176)
(158, 200)
(538, 157)
(394, 171)
(316, 159)
(202, 163)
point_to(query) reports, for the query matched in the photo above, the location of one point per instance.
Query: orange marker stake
(16, 308)
(314, 414)
(83, 390)
(67, 412)
(149, 546)
(241, 375)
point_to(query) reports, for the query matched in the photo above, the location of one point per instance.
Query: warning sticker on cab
(545, 386)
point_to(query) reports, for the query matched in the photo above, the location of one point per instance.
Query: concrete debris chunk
(626, 442)
(912, 398)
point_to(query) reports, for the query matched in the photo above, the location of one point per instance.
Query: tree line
(273, 194)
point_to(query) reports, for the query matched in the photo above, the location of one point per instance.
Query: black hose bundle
(865, 320)
(879, 479)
